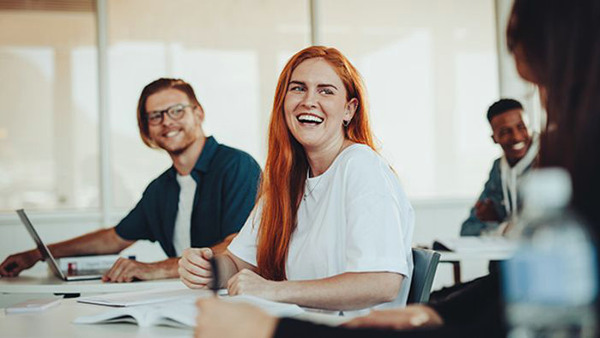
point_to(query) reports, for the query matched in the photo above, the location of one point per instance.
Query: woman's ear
(351, 107)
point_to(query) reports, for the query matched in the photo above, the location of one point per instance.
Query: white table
(40, 280)
(57, 322)
(449, 256)
(455, 258)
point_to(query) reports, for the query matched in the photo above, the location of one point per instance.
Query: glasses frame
(169, 111)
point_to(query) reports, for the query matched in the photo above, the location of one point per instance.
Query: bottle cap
(547, 188)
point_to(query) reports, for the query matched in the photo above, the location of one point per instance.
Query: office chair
(425, 264)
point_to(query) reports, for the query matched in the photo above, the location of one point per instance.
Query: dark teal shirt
(227, 180)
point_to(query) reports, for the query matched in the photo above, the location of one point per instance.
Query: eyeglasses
(175, 112)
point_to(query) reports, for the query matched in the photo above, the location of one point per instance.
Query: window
(431, 72)
(49, 132)
(430, 69)
(49, 119)
(230, 52)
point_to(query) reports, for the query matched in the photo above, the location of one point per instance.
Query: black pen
(214, 286)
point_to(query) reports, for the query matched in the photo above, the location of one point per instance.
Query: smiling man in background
(201, 201)
(498, 203)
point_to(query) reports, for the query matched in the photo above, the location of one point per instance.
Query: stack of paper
(273, 308)
(123, 299)
(33, 305)
(178, 313)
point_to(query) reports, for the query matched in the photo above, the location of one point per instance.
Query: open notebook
(180, 313)
(175, 313)
(144, 297)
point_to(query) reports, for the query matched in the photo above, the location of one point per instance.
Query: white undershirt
(181, 233)
(510, 177)
(355, 218)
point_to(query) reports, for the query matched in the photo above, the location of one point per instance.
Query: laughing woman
(332, 228)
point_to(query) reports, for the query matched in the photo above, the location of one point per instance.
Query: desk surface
(57, 322)
(40, 280)
(450, 256)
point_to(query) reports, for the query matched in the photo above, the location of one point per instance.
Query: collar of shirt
(203, 164)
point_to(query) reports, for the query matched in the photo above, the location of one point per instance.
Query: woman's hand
(247, 282)
(220, 319)
(194, 268)
(410, 317)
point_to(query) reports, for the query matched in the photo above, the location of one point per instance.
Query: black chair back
(425, 265)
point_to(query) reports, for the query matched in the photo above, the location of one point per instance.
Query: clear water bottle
(551, 283)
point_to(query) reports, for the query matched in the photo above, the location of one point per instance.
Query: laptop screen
(46, 254)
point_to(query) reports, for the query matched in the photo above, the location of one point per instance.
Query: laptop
(71, 275)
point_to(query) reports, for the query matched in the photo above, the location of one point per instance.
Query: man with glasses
(201, 201)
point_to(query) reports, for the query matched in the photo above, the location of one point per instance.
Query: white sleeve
(243, 246)
(374, 206)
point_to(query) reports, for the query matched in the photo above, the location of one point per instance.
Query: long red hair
(284, 177)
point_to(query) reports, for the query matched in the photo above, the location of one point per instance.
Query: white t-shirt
(355, 217)
(181, 234)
